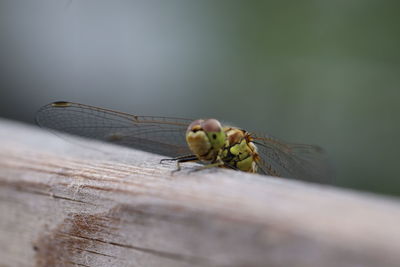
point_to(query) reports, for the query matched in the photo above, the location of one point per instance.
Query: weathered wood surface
(64, 204)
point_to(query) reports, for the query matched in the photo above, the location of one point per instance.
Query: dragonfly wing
(161, 135)
(305, 162)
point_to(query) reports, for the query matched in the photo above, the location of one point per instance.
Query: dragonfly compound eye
(195, 126)
(211, 125)
(216, 136)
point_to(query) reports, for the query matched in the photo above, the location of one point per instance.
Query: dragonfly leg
(208, 166)
(190, 157)
(184, 159)
(229, 166)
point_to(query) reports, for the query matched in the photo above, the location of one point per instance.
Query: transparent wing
(305, 162)
(161, 135)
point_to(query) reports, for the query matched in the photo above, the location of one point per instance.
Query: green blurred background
(319, 72)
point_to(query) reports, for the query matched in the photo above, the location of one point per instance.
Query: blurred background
(319, 72)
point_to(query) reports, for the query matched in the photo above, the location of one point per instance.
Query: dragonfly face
(205, 138)
(208, 140)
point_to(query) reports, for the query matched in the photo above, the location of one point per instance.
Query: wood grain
(67, 204)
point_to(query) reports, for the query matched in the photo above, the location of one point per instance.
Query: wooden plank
(64, 204)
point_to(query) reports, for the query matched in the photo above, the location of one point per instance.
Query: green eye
(217, 139)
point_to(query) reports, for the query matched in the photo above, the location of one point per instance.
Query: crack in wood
(51, 249)
(97, 253)
(73, 237)
(29, 187)
(174, 256)
(76, 264)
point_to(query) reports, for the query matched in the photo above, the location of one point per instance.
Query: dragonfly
(183, 140)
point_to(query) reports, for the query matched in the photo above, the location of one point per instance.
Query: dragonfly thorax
(239, 152)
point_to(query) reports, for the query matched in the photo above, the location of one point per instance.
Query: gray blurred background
(320, 72)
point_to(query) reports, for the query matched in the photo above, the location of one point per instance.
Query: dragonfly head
(205, 138)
